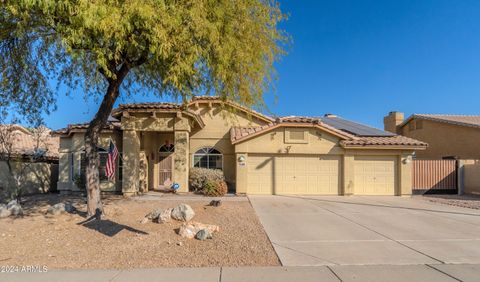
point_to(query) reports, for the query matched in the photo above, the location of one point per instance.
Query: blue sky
(360, 59)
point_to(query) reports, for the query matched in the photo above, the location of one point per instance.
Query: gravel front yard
(121, 241)
(465, 201)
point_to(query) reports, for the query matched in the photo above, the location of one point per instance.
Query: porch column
(131, 150)
(180, 160)
(348, 182)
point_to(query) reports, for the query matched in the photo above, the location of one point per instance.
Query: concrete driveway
(307, 231)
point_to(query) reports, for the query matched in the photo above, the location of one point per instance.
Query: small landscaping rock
(203, 234)
(183, 212)
(190, 230)
(215, 203)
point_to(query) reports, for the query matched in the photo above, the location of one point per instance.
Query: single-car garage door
(375, 175)
(297, 174)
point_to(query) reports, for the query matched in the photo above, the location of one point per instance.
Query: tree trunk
(94, 204)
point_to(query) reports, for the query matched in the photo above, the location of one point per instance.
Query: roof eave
(293, 124)
(385, 147)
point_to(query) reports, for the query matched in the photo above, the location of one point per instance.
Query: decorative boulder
(69, 207)
(12, 203)
(4, 211)
(165, 216)
(183, 212)
(61, 208)
(153, 215)
(189, 230)
(203, 234)
(14, 208)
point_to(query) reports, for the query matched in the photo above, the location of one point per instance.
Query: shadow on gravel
(107, 227)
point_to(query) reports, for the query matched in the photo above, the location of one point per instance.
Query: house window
(103, 156)
(411, 126)
(120, 166)
(208, 157)
(167, 148)
(72, 169)
(419, 124)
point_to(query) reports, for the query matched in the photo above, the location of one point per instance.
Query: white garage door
(312, 174)
(375, 175)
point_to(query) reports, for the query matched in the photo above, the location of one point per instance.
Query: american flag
(111, 161)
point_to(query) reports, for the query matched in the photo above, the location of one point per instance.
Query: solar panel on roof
(354, 128)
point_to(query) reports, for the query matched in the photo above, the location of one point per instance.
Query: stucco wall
(471, 176)
(71, 149)
(216, 133)
(445, 140)
(320, 143)
(35, 177)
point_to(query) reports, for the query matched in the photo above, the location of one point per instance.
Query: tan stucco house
(33, 158)
(258, 154)
(447, 136)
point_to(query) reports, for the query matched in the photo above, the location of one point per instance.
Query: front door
(164, 165)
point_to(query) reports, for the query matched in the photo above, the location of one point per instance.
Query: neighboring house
(258, 154)
(33, 156)
(447, 135)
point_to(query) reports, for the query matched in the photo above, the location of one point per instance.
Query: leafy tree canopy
(168, 47)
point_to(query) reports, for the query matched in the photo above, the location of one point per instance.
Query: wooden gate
(434, 176)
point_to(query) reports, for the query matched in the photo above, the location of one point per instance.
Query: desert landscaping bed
(464, 201)
(122, 241)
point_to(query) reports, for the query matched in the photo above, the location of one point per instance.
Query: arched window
(167, 148)
(208, 157)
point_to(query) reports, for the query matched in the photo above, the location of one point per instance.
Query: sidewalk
(358, 273)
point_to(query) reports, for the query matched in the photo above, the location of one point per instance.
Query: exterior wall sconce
(241, 159)
(407, 160)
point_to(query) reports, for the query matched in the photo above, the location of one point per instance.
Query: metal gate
(434, 176)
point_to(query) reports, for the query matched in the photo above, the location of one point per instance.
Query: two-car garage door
(319, 175)
(299, 174)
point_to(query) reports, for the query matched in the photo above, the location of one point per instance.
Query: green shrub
(80, 181)
(215, 188)
(198, 178)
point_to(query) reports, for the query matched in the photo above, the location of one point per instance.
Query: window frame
(100, 151)
(207, 154)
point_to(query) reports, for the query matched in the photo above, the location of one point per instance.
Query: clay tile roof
(239, 132)
(24, 142)
(397, 140)
(464, 120)
(111, 125)
(160, 105)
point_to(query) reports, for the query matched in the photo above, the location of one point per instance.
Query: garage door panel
(294, 174)
(375, 175)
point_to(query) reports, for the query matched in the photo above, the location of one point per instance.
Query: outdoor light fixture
(241, 159)
(407, 160)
